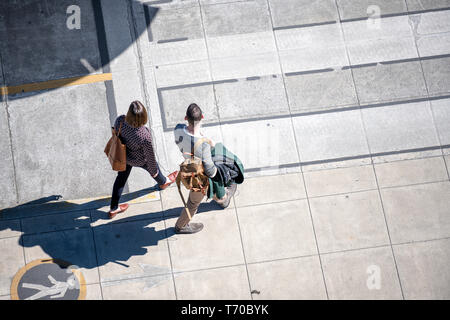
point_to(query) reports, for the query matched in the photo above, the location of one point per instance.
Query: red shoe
(122, 208)
(172, 177)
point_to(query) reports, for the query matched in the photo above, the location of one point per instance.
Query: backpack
(191, 174)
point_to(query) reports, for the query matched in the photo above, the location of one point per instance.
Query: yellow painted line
(53, 84)
(85, 200)
(149, 196)
(144, 198)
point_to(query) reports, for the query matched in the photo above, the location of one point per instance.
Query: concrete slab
(330, 135)
(407, 156)
(313, 59)
(214, 284)
(263, 64)
(432, 22)
(142, 288)
(193, 72)
(337, 164)
(176, 101)
(174, 4)
(389, 82)
(432, 32)
(7, 175)
(56, 222)
(261, 143)
(209, 248)
(400, 127)
(321, 91)
(262, 172)
(269, 189)
(50, 50)
(13, 260)
(178, 52)
(176, 23)
(369, 9)
(369, 42)
(137, 211)
(73, 246)
(437, 75)
(297, 278)
(132, 249)
(150, 85)
(341, 180)
(417, 5)
(286, 232)
(428, 277)
(127, 88)
(236, 18)
(251, 98)
(64, 113)
(411, 172)
(140, 24)
(10, 228)
(433, 45)
(244, 44)
(207, 2)
(355, 275)
(311, 48)
(351, 221)
(94, 292)
(119, 39)
(294, 12)
(240, 40)
(417, 213)
(447, 161)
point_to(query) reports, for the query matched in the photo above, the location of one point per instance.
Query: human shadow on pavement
(96, 240)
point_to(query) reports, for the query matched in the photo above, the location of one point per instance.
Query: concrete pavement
(339, 110)
(320, 234)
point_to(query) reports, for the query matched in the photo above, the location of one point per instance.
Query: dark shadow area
(39, 40)
(116, 240)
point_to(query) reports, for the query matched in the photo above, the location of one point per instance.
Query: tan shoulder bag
(116, 151)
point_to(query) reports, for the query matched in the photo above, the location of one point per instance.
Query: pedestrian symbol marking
(48, 279)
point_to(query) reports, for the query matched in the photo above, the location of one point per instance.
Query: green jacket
(219, 153)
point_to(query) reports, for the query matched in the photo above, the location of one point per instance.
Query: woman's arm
(119, 120)
(150, 154)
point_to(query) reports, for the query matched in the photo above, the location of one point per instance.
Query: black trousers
(119, 184)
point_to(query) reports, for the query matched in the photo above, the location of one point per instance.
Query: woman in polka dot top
(138, 140)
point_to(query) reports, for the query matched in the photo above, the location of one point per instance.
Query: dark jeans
(119, 184)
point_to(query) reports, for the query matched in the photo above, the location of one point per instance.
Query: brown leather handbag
(116, 151)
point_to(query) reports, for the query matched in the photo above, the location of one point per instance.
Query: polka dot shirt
(139, 145)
